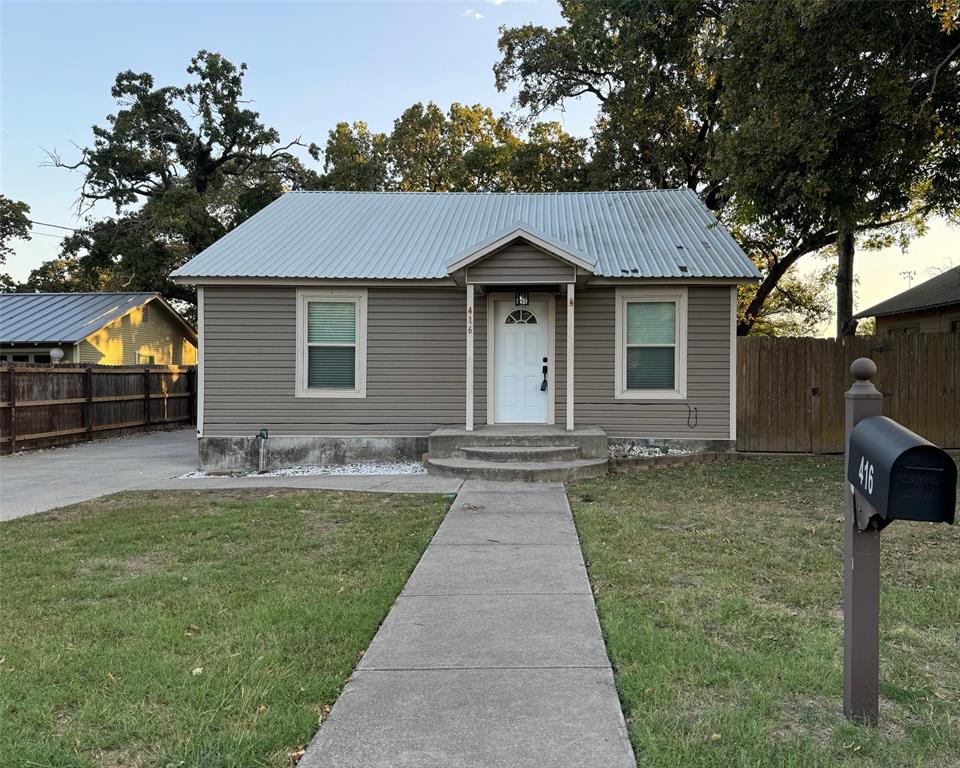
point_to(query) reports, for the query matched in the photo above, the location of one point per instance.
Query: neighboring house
(100, 328)
(358, 323)
(929, 307)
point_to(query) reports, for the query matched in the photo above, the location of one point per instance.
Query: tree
(466, 149)
(841, 119)
(690, 95)
(182, 165)
(14, 225)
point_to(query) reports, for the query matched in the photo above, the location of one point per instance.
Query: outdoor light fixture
(522, 298)
(56, 355)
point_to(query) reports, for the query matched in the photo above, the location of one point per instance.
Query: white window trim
(677, 295)
(358, 297)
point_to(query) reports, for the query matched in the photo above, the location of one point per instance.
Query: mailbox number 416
(866, 475)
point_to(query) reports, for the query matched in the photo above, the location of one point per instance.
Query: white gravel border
(632, 450)
(363, 468)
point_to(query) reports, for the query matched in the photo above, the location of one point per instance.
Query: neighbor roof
(411, 235)
(31, 318)
(939, 291)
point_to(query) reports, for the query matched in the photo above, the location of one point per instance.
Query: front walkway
(492, 655)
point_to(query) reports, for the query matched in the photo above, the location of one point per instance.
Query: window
(144, 316)
(521, 317)
(955, 326)
(651, 354)
(143, 359)
(41, 358)
(331, 343)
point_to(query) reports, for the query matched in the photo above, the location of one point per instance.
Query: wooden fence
(790, 391)
(43, 405)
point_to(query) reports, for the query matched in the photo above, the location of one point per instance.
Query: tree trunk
(846, 324)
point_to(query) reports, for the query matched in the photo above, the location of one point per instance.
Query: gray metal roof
(409, 235)
(939, 291)
(30, 318)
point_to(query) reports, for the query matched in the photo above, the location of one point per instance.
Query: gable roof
(413, 235)
(33, 318)
(939, 291)
(544, 242)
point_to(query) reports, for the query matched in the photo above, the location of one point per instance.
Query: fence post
(861, 569)
(146, 399)
(13, 409)
(88, 410)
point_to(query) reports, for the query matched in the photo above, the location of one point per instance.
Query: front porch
(529, 452)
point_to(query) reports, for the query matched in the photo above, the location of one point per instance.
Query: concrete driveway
(42, 480)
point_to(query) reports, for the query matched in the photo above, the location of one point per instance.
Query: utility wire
(55, 226)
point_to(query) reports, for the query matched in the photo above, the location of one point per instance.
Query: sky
(311, 65)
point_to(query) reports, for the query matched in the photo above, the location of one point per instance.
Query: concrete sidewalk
(492, 655)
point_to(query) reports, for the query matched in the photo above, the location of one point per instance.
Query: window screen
(331, 344)
(651, 340)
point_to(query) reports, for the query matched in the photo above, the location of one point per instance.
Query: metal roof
(31, 318)
(939, 291)
(410, 235)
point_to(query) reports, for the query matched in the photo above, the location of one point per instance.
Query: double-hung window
(331, 343)
(651, 355)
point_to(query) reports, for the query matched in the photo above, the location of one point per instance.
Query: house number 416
(866, 474)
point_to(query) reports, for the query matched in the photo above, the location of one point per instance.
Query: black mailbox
(897, 475)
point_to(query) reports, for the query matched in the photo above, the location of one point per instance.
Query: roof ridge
(484, 194)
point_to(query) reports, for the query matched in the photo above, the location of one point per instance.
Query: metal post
(861, 570)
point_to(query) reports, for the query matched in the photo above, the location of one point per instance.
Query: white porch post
(570, 390)
(469, 357)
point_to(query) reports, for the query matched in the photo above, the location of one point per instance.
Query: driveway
(41, 480)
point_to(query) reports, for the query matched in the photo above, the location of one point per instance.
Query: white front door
(520, 348)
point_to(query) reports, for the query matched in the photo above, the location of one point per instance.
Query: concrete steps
(527, 471)
(524, 453)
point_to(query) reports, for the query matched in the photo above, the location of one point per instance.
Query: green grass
(719, 591)
(196, 628)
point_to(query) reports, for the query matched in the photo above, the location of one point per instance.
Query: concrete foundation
(680, 444)
(226, 455)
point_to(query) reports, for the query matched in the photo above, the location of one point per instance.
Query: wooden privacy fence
(45, 405)
(790, 391)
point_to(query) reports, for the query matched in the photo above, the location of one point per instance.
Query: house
(474, 326)
(99, 328)
(929, 307)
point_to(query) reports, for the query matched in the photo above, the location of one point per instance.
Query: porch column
(570, 303)
(469, 357)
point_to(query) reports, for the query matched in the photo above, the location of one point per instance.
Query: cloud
(472, 14)
(496, 2)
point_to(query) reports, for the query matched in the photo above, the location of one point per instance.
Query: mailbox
(897, 475)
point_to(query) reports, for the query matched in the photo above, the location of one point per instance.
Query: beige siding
(521, 264)
(708, 371)
(931, 321)
(416, 364)
(126, 338)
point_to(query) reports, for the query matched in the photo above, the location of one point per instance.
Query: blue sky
(311, 64)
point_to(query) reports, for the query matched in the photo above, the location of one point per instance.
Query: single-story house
(930, 307)
(98, 328)
(354, 324)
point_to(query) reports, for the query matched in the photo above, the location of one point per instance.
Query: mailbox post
(861, 569)
(890, 474)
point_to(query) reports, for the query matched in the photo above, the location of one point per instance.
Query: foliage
(798, 306)
(14, 225)
(466, 149)
(181, 165)
(741, 101)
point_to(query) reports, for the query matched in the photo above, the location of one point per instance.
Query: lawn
(719, 591)
(194, 628)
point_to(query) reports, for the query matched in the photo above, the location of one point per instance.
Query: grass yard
(719, 591)
(194, 628)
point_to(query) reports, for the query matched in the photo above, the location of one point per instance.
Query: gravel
(640, 451)
(364, 468)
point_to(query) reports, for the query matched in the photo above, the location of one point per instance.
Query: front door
(520, 348)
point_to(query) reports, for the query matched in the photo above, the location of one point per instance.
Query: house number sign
(469, 320)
